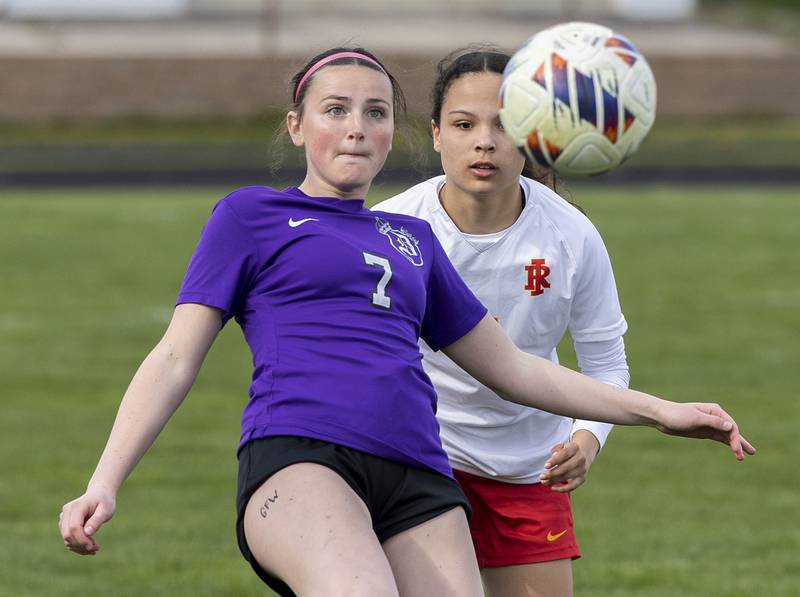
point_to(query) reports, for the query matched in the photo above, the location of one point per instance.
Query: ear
(435, 132)
(293, 126)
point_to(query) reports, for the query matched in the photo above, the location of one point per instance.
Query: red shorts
(516, 524)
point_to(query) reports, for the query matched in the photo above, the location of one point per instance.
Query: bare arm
(488, 354)
(155, 392)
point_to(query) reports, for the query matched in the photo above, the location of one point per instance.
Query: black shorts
(397, 496)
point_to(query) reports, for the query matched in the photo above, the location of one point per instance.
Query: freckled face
(346, 129)
(477, 156)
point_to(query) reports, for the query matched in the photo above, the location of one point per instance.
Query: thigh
(545, 579)
(435, 558)
(306, 526)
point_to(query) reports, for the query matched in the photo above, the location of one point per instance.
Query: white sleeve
(604, 361)
(595, 314)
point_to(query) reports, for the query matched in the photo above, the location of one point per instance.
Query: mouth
(353, 155)
(482, 169)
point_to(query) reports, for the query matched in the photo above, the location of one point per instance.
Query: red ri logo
(537, 277)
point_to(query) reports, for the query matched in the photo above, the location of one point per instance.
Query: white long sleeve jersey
(546, 273)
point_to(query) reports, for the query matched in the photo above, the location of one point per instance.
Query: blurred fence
(97, 88)
(240, 67)
(217, 61)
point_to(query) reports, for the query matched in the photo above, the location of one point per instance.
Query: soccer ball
(578, 98)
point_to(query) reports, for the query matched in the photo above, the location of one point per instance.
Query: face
(346, 129)
(477, 156)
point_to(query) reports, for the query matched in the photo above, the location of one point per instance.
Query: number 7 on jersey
(379, 297)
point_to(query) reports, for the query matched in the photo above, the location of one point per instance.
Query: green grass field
(710, 284)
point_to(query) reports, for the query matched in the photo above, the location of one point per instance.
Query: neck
(314, 188)
(482, 214)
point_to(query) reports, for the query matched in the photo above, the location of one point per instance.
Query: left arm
(569, 463)
(597, 327)
(488, 354)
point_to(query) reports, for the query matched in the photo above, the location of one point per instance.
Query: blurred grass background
(708, 280)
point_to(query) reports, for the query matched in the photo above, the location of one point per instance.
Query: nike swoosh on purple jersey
(295, 223)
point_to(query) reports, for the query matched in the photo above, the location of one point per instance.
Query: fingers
(716, 419)
(706, 421)
(720, 420)
(748, 447)
(71, 524)
(735, 442)
(739, 444)
(98, 518)
(568, 486)
(560, 454)
(566, 467)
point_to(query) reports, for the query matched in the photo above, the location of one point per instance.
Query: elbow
(170, 366)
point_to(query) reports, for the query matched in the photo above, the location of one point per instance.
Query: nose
(356, 132)
(485, 140)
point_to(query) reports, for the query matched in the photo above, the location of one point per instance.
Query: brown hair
(399, 107)
(296, 97)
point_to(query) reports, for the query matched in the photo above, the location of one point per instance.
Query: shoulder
(245, 199)
(253, 206)
(568, 222)
(413, 201)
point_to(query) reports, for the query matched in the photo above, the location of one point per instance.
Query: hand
(569, 463)
(81, 518)
(703, 421)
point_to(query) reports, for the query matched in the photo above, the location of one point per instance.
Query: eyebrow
(344, 98)
(468, 114)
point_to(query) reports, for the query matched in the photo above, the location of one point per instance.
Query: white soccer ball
(578, 98)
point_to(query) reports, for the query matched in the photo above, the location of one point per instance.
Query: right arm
(155, 392)
(489, 355)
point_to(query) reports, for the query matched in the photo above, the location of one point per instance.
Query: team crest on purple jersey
(402, 240)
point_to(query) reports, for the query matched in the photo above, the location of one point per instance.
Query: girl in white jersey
(540, 267)
(330, 505)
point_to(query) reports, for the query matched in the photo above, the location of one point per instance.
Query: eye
(463, 125)
(376, 113)
(335, 111)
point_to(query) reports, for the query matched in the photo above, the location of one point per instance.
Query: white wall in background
(654, 10)
(632, 10)
(94, 9)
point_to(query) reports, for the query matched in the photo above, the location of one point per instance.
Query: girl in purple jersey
(333, 504)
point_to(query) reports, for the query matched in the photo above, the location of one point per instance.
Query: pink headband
(322, 62)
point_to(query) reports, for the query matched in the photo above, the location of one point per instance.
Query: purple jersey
(332, 298)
